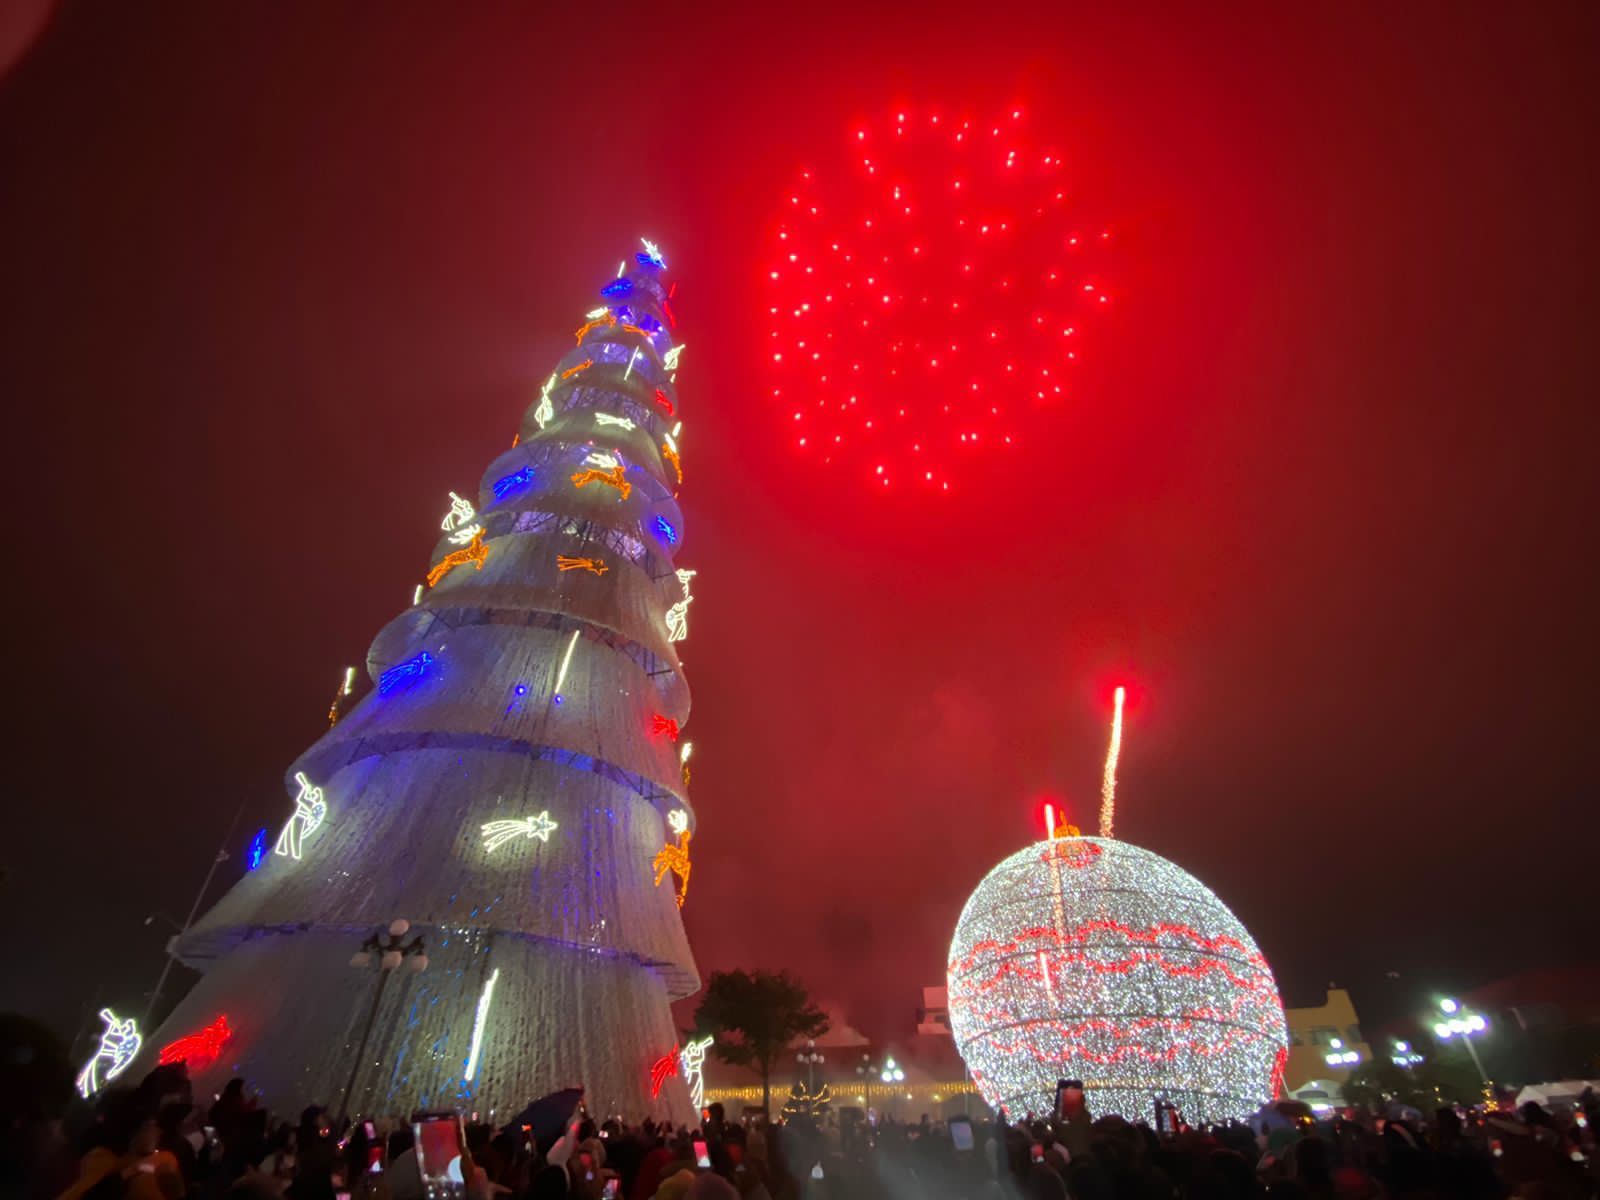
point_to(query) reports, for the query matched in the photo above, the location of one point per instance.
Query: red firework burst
(926, 296)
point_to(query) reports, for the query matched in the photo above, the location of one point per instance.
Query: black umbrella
(547, 1118)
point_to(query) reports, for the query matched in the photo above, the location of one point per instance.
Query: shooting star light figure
(498, 833)
(1108, 785)
(309, 812)
(119, 1042)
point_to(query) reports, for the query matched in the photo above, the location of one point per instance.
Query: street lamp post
(389, 954)
(1460, 1023)
(811, 1058)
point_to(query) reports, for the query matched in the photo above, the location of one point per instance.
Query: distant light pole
(811, 1058)
(389, 954)
(1460, 1023)
(1338, 1056)
(1404, 1056)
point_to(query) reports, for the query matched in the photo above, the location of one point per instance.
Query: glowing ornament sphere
(1089, 958)
(926, 291)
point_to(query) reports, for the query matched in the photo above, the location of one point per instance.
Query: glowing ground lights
(1108, 784)
(1092, 958)
(925, 291)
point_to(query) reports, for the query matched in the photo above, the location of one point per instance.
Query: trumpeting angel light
(458, 521)
(669, 360)
(478, 1023)
(693, 1063)
(603, 419)
(545, 409)
(678, 614)
(1108, 785)
(1092, 958)
(498, 833)
(309, 812)
(119, 1043)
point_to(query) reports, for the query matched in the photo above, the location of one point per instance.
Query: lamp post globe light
(389, 952)
(1459, 1023)
(1339, 1056)
(890, 1072)
(1404, 1056)
(810, 1056)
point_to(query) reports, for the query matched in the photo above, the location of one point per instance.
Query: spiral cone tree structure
(508, 786)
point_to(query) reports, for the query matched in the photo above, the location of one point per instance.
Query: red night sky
(1320, 487)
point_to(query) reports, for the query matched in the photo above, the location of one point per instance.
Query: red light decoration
(924, 290)
(663, 1069)
(200, 1049)
(663, 403)
(666, 725)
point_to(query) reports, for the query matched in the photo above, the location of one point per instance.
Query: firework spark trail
(1108, 786)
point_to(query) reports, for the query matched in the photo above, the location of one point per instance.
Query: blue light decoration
(665, 531)
(256, 850)
(651, 255)
(617, 287)
(513, 483)
(648, 323)
(404, 674)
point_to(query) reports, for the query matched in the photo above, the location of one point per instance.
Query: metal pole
(166, 968)
(361, 1050)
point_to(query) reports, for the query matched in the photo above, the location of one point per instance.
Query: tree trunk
(766, 1087)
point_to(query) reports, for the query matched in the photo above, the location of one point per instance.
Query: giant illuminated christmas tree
(513, 785)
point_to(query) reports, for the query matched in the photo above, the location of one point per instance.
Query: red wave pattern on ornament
(1083, 932)
(1027, 969)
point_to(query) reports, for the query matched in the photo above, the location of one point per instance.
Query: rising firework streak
(1108, 786)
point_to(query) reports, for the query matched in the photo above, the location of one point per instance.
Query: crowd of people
(155, 1142)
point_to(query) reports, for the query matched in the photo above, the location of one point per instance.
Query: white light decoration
(632, 358)
(678, 821)
(545, 410)
(478, 1023)
(678, 614)
(594, 314)
(602, 460)
(309, 812)
(416, 596)
(669, 360)
(498, 833)
(683, 752)
(349, 681)
(1108, 783)
(457, 521)
(119, 1042)
(601, 418)
(693, 1061)
(566, 661)
(654, 253)
(1085, 957)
